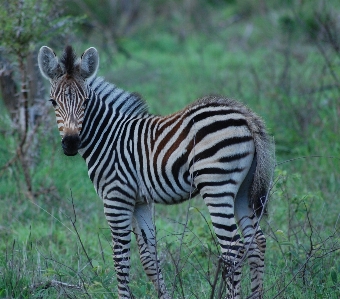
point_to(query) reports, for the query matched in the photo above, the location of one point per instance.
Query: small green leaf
(50, 272)
(95, 263)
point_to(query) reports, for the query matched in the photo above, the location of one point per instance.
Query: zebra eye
(54, 103)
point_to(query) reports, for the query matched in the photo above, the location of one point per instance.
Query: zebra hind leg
(144, 231)
(254, 240)
(221, 209)
(258, 271)
(255, 245)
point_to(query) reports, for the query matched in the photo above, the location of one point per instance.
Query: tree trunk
(8, 88)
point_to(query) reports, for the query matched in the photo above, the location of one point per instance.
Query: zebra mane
(69, 59)
(129, 103)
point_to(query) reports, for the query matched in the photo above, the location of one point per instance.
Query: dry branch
(53, 284)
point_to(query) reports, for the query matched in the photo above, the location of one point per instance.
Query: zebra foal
(215, 147)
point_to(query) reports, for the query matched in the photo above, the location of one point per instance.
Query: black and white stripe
(216, 147)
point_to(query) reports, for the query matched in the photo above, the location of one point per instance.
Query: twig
(73, 221)
(71, 269)
(305, 157)
(101, 248)
(53, 283)
(52, 216)
(220, 261)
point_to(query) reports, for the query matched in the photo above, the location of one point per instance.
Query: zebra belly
(168, 189)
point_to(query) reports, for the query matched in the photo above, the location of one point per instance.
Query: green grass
(284, 83)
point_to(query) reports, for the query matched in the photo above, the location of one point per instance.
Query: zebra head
(69, 93)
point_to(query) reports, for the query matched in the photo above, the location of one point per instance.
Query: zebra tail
(265, 164)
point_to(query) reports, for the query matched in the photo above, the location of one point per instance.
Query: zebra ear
(89, 63)
(48, 63)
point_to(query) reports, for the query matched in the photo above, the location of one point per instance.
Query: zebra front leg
(143, 228)
(119, 219)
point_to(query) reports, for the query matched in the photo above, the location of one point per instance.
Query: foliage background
(281, 58)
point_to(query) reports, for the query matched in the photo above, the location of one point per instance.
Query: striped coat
(216, 147)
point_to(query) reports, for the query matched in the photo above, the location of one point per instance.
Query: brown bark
(8, 88)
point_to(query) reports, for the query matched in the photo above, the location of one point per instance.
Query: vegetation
(282, 58)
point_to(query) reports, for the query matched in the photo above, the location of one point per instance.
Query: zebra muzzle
(70, 144)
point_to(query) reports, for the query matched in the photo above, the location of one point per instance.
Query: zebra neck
(108, 107)
(119, 100)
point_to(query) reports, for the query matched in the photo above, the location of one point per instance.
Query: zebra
(215, 147)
